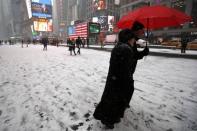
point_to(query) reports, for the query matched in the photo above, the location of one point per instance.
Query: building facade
(11, 18)
(59, 18)
(64, 13)
(105, 12)
(187, 6)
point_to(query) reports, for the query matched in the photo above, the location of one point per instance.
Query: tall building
(11, 17)
(105, 12)
(187, 6)
(60, 18)
(76, 10)
(26, 21)
(4, 19)
(66, 12)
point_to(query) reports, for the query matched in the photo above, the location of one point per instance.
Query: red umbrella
(154, 17)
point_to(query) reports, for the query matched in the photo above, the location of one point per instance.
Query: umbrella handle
(146, 44)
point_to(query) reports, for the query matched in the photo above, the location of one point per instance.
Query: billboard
(43, 25)
(117, 2)
(46, 2)
(99, 4)
(103, 21)
(71, 30)
(94, 28)
(41, 8)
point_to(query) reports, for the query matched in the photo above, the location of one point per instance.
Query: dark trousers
(78, 50)
(72, 50)
(183, 49)
(45, 47)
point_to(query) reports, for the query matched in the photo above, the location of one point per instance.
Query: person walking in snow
(119, 81)
(28, 42)
(45, 43)
(119, 86)
(22, 42)
(184, 41)
(71, 46)
(78, 44)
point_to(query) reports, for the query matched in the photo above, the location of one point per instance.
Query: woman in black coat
(119, 85)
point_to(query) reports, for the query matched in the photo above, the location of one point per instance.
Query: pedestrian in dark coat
(78, 44)
(119, 82)
(45, 43)
(28, 42)
(184, 41)
(119, 86)
(22, 42)
(138, 30)
(71, 46)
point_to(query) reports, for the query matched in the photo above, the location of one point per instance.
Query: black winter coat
(119, 84)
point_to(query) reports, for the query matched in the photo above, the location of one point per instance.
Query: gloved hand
(146, 51)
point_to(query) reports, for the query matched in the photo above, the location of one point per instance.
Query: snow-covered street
(53, 91)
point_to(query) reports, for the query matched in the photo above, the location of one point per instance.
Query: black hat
(137, 26)
(125, 35)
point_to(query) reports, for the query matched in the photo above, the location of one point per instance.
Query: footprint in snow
(4, 83)
(74, 116)
(76, 126)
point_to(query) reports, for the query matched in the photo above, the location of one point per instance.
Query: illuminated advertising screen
(41, 8)
(110, 23)
(117, 2)
(71, 30)
(103, 21)
(94, 28)
(99, 4)
(46, 2)
(43, 25)
(95, 19)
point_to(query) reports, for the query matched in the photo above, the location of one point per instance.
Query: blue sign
(71, 30)
(47, 2)
(41, 10)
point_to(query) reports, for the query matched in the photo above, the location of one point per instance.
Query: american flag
(81, 30)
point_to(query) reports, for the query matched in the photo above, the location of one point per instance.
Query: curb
(152, 53)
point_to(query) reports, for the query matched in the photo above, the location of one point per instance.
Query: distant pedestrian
(78, 44)
(34, 41)
(22, 42)
(184, 41)
(45, 43)
(28, 42)
(10, 42)
(57, 42)
(87, 41)
(71, 46)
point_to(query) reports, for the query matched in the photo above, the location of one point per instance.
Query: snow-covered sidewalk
(53, 91)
